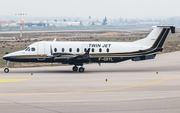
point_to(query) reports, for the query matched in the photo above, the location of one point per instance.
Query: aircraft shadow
(100, 71)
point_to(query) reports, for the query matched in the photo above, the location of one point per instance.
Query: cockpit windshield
(27, 49)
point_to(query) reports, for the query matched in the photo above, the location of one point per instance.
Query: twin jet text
(100, 45)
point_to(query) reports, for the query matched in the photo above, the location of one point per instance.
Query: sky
(94, 8)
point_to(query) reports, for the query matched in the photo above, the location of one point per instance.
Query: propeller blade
(51, 51)
(87, 52)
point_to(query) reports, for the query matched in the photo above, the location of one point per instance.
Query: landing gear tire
(81, 69)
(75, 68)
(6, 70)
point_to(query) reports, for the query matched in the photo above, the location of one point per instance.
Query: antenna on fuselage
(54, 40)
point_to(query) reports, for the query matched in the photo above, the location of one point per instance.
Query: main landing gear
(6, 70)
(75, 68)
(81, 69)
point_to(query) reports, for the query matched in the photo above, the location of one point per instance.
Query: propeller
(51, 51)
(86, 55)
(87, 52)
(51, 54)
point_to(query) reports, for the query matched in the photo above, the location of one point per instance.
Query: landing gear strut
(6, 70)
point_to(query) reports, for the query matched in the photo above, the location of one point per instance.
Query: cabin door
(41, 51)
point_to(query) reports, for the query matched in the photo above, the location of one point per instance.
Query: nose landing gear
(6, 70)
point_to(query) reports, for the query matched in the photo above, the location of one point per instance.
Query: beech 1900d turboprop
(78, 53)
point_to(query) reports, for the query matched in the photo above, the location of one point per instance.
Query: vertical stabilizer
(157, 37)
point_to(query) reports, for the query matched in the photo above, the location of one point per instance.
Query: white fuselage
(43, 47)
(83, 52)
(78, 53)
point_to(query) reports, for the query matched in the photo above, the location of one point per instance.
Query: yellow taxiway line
(157, 81)
(12, 80)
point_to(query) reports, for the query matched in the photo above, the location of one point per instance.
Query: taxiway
(132, 87)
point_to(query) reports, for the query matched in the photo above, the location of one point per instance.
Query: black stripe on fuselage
(159, 38)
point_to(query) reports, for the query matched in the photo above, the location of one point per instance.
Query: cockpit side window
(27, 49)
(33, 49)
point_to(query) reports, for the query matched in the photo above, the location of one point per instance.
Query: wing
(72, 58)
(81, 57)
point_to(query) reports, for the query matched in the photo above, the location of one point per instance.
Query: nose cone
(6, 57)
(11, 56)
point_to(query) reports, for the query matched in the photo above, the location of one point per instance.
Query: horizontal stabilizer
(171, 27)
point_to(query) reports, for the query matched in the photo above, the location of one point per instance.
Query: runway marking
(12, 80)
(157, 81)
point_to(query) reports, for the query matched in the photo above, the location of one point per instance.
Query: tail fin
(157, 37)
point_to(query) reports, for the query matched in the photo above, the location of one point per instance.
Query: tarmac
(151, 86)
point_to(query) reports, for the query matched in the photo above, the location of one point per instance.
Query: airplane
(78, 53)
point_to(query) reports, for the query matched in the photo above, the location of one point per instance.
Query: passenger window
(77, 49)
(92, 49)
(107, 49)
(100, 50)
(55, 49)
(63, 50)
(70, 50)
(85, 49)
(33, 49)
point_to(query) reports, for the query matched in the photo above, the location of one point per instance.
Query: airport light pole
(20, 14)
